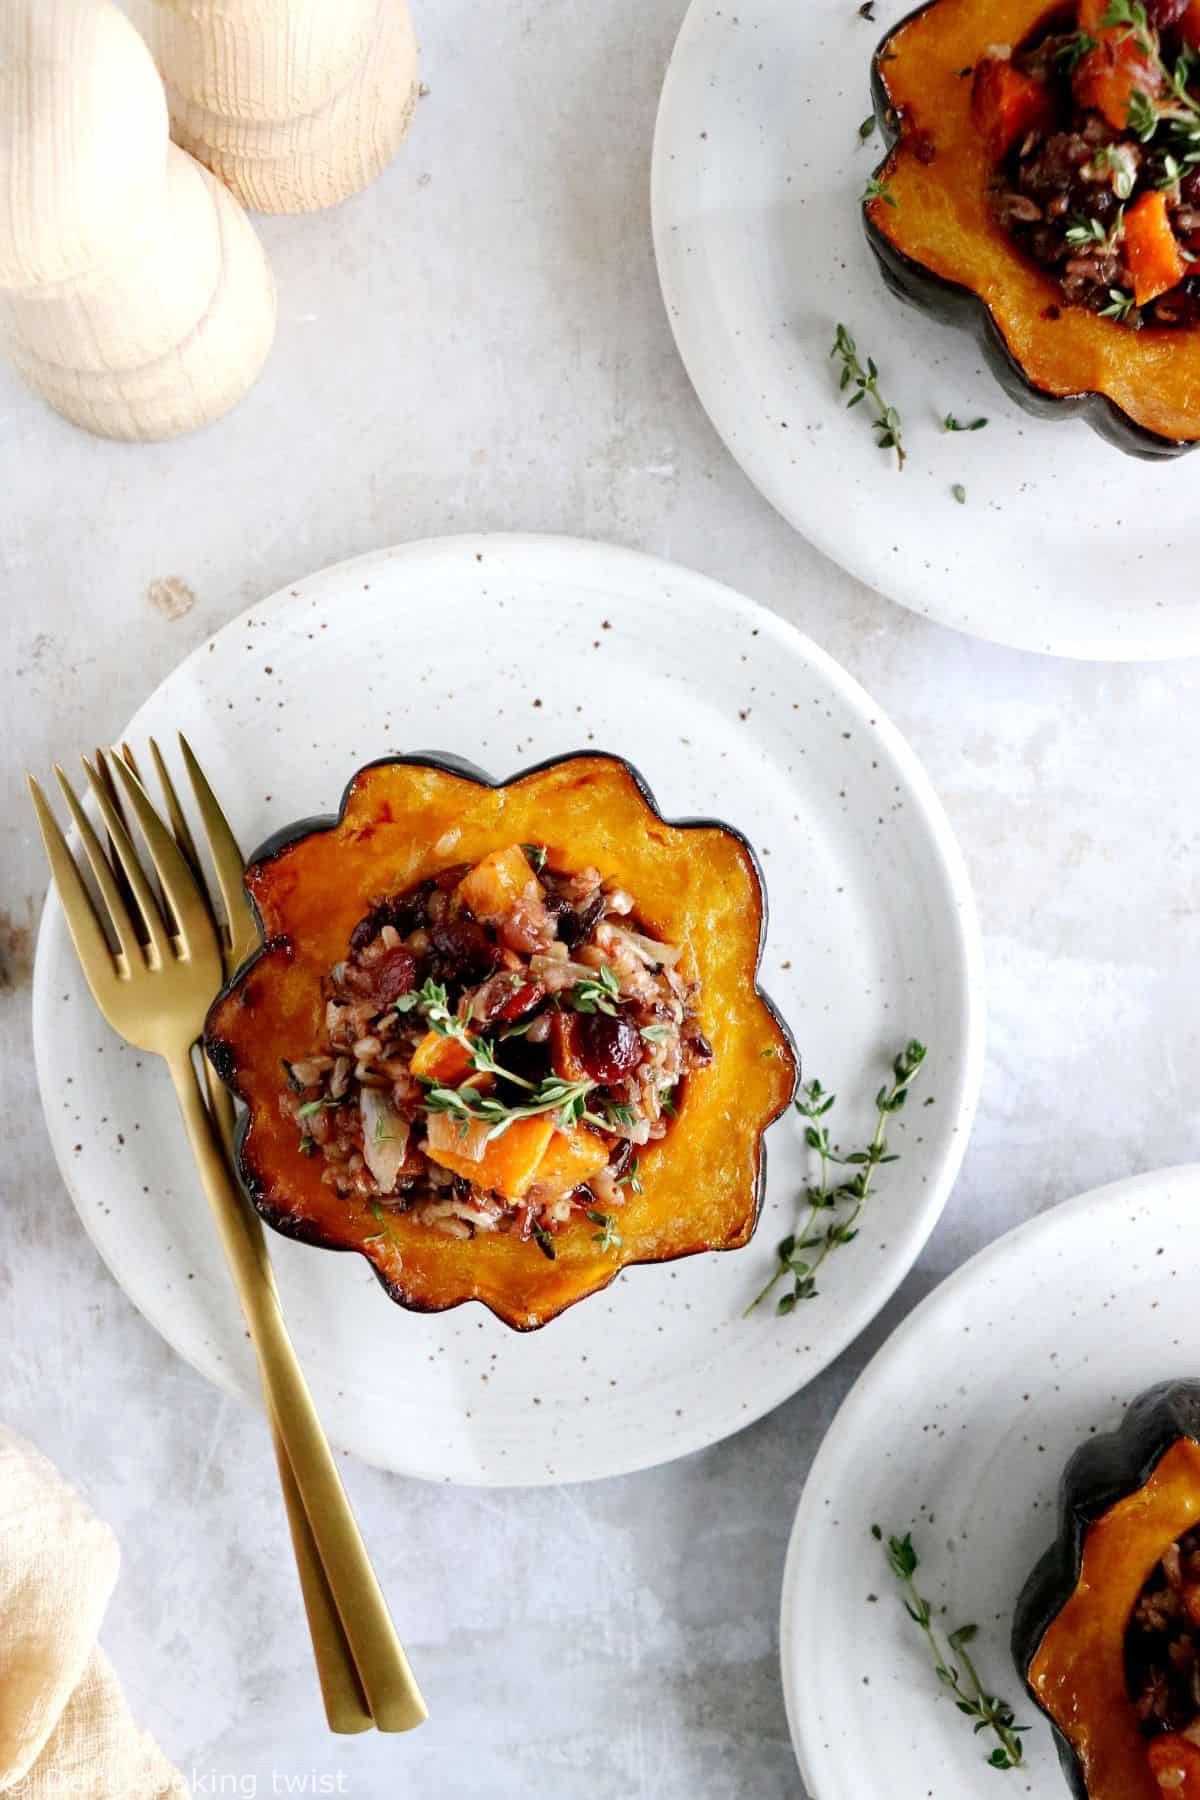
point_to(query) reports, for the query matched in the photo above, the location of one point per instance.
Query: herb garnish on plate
(866, 382)
(800, 1256)
(989, 1711)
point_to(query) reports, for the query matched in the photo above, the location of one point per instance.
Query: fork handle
(346, 1709)
(387, 1681)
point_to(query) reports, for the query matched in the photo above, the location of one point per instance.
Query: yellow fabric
(64, 1724)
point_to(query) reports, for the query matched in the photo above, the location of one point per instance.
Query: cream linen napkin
(64, 1725)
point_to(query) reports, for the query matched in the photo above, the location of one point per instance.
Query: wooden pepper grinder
(294, 104)
(134, 294)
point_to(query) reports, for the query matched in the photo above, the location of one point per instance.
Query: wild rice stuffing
(497, 1045)
(1162, 1645)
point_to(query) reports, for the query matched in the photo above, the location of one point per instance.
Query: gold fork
(346, 1708)
(155, 991)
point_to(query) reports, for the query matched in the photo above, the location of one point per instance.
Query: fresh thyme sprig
(1074, 48)
(608, 1237)
(989, 1711)
(596, 994)
(377, 1214)
(950, 423)
(1120, 304)
(1092, 233)
(1145, 115)
(877, 188)
(631, 1179)
(553, 1095)
(886, 424)
(432, 1001)
(800, 1256)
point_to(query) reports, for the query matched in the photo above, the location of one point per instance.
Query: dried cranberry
(464, 951)
(365, 931)
(609, 1047)
(394, 974)
(576, 927)
(404, 912)
(523, 1000)
(1162, 14)
(621, 1158)
(701, 1049)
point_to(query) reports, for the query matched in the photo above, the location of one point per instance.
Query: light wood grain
(134, 294)
(294, 104)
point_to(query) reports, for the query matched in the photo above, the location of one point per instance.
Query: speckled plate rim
(602, 566)
(854, 1420)
(711, 356)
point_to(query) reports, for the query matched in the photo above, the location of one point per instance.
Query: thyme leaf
(989, 1711)
(877, 188)
(608, 1237)
(801, 1255)
(865, 382)
(596, 994)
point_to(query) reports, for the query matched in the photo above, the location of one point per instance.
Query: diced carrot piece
(508, 1164)
(1151, 250)
(1189, 25)
(1006, 103)
(438, 1058)
(1175, 1765)
(1107, 77)
(572, 1157)
(566, 1057)
(494, 887)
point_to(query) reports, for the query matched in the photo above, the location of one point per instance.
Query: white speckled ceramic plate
(1064, 544)
(507, 650)
(958, 1431)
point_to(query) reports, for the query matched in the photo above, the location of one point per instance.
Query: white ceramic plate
(958, 1431)
(507, 650)
(1064, 544)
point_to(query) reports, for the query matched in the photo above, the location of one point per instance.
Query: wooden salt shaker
(294, 104)
(134, 294)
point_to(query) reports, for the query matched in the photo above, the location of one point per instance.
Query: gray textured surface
(478, 342)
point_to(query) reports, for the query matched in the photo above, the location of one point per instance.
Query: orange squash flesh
(571, 1159)
(495, 883)
(1151, 250)
(1108, 76)
(440, 1058)
(941, 226)
(1078, 1673)
(508, 1164)
(694, 885)
(1006, 103)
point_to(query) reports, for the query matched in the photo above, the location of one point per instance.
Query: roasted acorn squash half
(403, 819)
(1126, 1499)
(940, 247)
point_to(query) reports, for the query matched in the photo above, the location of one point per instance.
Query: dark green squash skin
(223, 1061)
(1102, 1472)
(952, 304)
